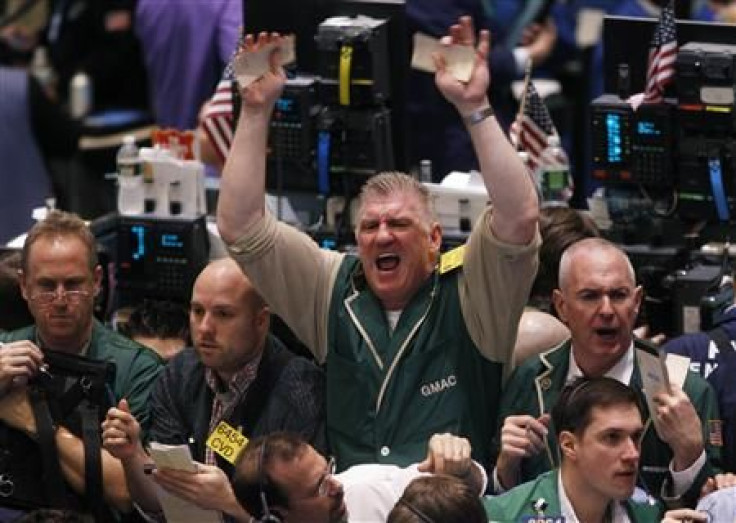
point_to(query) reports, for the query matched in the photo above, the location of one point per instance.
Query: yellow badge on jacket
(452, 259)
(227, 441)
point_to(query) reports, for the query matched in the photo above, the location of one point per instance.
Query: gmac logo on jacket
(436, 386)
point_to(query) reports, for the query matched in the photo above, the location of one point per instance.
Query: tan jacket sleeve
(293, 274)
(494, 288)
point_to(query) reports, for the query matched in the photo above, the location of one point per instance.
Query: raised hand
(522, 436)
(121, 432)
(679, 426)
(264, 92)
(466, 97)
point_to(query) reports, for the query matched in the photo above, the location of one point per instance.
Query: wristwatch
(479, 115)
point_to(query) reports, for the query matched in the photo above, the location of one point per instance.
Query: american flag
(662, 55)
(217, 119)
(534, 129)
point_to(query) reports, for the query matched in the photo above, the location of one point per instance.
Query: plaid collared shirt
(224, 402)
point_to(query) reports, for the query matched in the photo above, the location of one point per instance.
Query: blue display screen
(285, 105)
(138, 242)
(171, 241)
(613, 135)
(647, 128)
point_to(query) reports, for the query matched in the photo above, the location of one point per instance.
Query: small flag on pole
(217, 117)
(662, 55)
(533, 129)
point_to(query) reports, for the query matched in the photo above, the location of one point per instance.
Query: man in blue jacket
(713, 355)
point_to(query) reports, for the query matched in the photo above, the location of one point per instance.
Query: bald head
(224, 273)
(599, 302)
(583, 250)
(228, 319)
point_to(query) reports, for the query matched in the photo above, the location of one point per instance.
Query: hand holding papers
(459, 58)
(176, 509)
(659, 371)
(249, 66)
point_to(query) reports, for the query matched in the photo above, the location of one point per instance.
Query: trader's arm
(243, 184)
(16, 411)
(515, 204)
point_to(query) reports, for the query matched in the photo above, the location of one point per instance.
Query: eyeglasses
(49, 297)
(324, 487)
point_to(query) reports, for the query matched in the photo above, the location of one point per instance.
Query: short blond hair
(390, 182)
(59, 224)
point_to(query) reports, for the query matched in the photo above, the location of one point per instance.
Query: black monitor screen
(626, 41)
(298, 17)
(302, 18)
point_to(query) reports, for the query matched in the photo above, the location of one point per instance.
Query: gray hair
(390, 182)
(591, 244)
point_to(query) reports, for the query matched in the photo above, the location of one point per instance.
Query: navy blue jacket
(719, 369)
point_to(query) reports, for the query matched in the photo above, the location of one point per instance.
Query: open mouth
(387, 262)
(607, 333)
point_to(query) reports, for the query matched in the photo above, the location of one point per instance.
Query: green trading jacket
(535, 386)
(517, 504)
(136, 366)
(388, 393)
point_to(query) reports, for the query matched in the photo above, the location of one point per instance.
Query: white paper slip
(249, 66)
(176, 457)
(677, 367)
(459, 58)
(176, 509)
(654, 375)
(654, 378)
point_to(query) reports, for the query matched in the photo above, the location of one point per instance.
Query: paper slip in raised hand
(249, 66)
(659, 371)
(459, 58)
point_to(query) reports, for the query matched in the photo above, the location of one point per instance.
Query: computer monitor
(302, 18)
(682, 148)
(626, 41)
(298, 17)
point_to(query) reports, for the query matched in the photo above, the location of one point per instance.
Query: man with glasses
(60, 278)
(599, 301)
(280, 479)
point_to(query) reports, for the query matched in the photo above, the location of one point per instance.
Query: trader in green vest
(413, 342)
(48, 459)
(599, 301)
(599, 423)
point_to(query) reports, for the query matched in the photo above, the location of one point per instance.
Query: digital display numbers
(648, 128)
(614, 138)
(138, 242)
(171, 241)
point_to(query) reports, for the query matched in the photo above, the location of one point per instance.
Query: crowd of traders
(410, 345)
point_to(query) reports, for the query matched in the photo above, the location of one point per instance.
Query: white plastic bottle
(80, 95)
(555, 182)
(42, 70)
(130, 178)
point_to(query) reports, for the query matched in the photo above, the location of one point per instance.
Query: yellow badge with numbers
(227, 441)
(452, 259)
